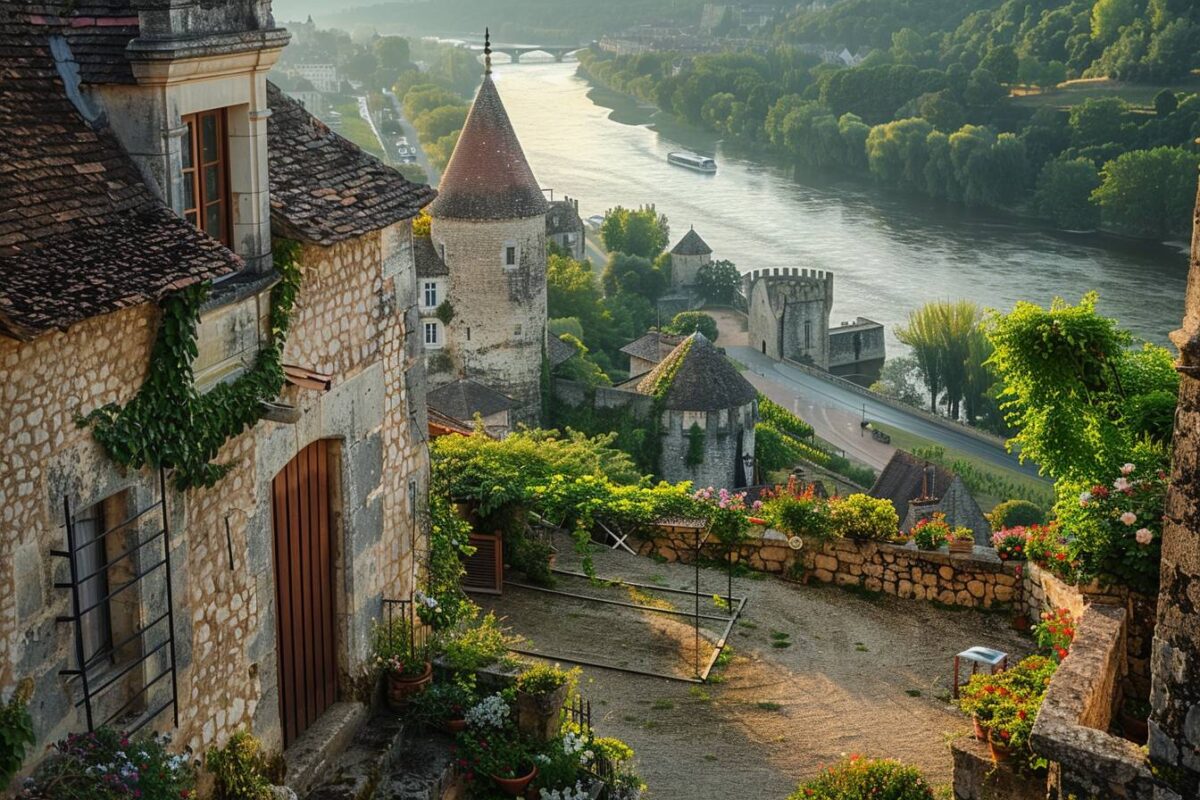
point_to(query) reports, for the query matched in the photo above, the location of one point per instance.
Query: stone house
(144, 153)
(489, 229)
(564, 227)
(647, 351)
(857, 350)
(464, 398)
(708, 416)
(919, 489)
(687, 257)
(789, 313)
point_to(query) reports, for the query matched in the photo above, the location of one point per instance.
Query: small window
(518, 329)
(431, 294)
(443, 247)
(206, 174)
(91, 565)
(807, 334)
(510, 256)
(433, 334)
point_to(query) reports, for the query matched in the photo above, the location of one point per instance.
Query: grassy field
(988, 483)
(356, 129)
(1073, 93)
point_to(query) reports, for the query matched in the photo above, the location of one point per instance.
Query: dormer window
(206, 174)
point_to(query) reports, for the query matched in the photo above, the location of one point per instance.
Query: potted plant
(932, 532)
(404, 664)
(445, 704)
(1010, 728)
(107, 764)
(492, 746)
(962, 540)
(563, 765)
(1011, 543)
(541, 691)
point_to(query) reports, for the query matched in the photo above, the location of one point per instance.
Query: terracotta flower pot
(981, 731)
(966, 546)
(403, 688)
(1001, 752)
(515, 787)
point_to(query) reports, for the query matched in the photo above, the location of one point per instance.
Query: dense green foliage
(951, 354)
(929, 110)
(106, 765)
(857, 778)
(1074, 391)
(861, 516)
(1014, 513)
(239, 769)
(170, 423)
(16, 731)
(686, 323)
(717, 281)
(641, 232)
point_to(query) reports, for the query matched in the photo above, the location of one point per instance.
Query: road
(836, 412)
(435, 177)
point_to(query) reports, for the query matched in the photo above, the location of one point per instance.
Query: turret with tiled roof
(687, 257)
(488, 177)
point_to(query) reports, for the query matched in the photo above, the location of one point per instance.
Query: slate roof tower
(489, 227)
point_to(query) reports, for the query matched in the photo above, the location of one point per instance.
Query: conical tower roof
(701, 378)
(488, 177)
(691, 245)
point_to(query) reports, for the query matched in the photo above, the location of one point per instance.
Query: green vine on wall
(695, 451)
(169, 423)
(16, 731)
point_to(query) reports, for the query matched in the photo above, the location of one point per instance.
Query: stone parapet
(977, 777)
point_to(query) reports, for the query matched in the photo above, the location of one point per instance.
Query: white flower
(1144, 536)
(490, 712)
(1121, 485)
(1129, 518)
(1085, 498)
(1128, 469)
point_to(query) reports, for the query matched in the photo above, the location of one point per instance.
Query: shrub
(797, 512)
(858, 778)
(239, 769)
(1014, 513)
(787, 422)
(861, 516)
(1011, 544)
(107, 765)
(16, 731)
(685, 323)
(1055, 632)
(471, 647)
(543, 679)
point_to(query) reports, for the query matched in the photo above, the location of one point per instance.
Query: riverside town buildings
(144, 152)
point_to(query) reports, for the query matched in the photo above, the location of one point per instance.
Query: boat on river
(692, 161)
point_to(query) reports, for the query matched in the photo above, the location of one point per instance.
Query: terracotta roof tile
(488, 177)
(324, 189)
(80, 233)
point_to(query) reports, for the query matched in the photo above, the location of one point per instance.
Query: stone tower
(789, 313)
(708, 415)
(687, 257)
(489, 226)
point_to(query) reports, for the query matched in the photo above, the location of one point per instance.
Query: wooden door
(304, 590)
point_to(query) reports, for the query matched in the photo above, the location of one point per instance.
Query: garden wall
(975, 581)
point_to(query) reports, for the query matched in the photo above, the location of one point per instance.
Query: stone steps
(388, 759)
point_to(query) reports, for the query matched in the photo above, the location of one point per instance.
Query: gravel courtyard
(817, 672)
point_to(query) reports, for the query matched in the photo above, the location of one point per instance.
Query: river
(889, 253)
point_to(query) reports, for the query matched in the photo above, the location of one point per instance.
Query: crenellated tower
(789, 313)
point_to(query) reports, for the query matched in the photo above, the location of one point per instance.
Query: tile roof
(654, 346)
(80, 232)
(488, 177)
(691, 245)
(907, 478)
(429, 262)
(558, 351)
(465, 398)
(97, 33)
(704, 379)
(563, 218)
(324, 189)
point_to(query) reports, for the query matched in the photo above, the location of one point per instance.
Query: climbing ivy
(695, 451)
(169, 423)
(16, 731)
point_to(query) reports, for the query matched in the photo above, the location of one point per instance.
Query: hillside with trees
(940, 106)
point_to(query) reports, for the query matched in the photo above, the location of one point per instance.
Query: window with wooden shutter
(206, 174)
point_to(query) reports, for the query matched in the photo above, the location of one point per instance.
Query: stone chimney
(1175, 691)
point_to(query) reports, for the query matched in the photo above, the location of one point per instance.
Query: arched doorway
(304, 589)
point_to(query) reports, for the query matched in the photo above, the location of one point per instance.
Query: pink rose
(1128, 469)
(1121, 485)
(1144, 536)
(1129, 518)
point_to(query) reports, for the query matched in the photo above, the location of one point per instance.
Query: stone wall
(975, 581)
(498, 333)
(728, 434)
(348, 323)
(789, 314)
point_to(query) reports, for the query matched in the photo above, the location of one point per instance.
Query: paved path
(837, 411)
(435, 177)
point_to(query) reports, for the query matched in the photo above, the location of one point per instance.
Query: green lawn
(989, 484)
(356, 129)
(1073, 93)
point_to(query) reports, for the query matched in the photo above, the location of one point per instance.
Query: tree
(1064, 194)
(439, 122)
(717, 281)
(1149, 192)
(686, 323)
(643, 232)
(942, 335)
(1098, 121)
(1110, 16)
(392, 53)
(1002, 62)
(628, 274)
(572, 290)
(1165, 103)
(898, 380)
